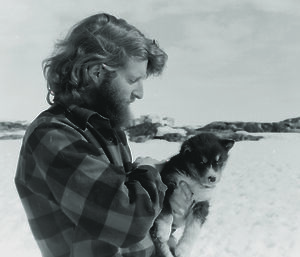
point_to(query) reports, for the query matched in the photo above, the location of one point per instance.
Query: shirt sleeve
(96, 195)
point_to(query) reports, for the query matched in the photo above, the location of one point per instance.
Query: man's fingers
(186, 190)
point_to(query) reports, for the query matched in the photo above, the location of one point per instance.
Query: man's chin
(128, 118)
(123, 119)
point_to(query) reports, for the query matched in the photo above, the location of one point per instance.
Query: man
(82, 194)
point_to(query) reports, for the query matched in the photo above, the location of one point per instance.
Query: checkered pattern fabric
(80, 193)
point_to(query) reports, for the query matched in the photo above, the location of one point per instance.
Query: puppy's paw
(200, 211)
(189, 238)
(164, 227)
(163, 250)
(182, 252)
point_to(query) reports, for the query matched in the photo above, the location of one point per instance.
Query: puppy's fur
(199, 163)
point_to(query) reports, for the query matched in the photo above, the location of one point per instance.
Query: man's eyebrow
(143, 76)
(137, 77)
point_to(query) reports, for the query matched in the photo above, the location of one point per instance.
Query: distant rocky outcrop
(13, 126)
(152, 127)
(12, 130)
(142, 132)
(144, 129)
(289, 125)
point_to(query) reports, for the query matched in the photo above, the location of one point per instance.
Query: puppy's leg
(161, 235)
(193, 225)
(187, 241)
(172, 243)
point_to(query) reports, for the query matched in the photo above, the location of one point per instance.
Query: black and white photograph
(150, 128)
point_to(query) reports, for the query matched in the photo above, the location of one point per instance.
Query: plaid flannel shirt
(80, 192)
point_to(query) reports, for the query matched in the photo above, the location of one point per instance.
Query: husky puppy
(199, 163)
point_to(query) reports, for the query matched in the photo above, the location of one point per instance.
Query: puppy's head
(205, 156)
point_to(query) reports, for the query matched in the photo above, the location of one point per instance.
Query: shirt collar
(82, 116)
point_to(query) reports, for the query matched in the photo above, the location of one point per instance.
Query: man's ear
(96, 73)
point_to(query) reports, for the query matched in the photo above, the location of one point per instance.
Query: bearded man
(83, 195)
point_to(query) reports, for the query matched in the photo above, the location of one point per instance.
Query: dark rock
(12, 126)
(142, 132)
(9, 137)
(289, 125)
(12, 130)
(172, 137)
(234, 135)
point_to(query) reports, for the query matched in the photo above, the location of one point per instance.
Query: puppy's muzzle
(212, 179)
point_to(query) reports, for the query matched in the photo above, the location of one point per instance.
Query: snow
(16, 239)
(255, 211)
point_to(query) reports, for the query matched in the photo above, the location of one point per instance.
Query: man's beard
(108, 102)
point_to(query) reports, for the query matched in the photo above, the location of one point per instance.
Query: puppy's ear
(186, 147)
(227, 143)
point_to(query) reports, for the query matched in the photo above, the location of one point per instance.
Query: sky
(229, 60)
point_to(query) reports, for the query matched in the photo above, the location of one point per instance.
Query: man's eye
(132, 81)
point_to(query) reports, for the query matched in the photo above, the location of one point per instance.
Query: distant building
(167, 121)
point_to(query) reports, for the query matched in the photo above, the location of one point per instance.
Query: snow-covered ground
(255, 211)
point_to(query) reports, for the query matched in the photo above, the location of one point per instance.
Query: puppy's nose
(212, 179)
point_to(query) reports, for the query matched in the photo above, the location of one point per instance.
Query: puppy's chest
(199, 193)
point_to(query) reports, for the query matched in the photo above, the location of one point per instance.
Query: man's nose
(138, 92)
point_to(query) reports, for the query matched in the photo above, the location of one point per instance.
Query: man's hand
(145, 161)
(149, 161)
(181, 199)
(188, 194)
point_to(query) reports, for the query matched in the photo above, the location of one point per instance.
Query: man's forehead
(136, 67)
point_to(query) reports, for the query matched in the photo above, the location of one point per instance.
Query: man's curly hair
(98, 39)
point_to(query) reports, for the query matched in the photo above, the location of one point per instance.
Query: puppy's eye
(217, 163)
(204, 160)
